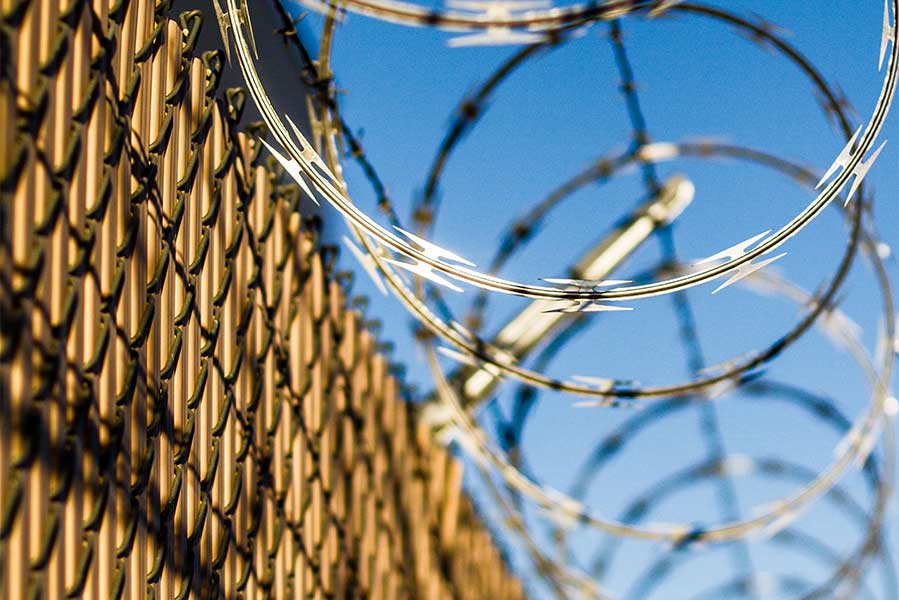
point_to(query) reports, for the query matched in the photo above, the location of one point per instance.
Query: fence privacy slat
(188, 407)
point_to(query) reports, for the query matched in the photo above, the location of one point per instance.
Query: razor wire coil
(331, 132)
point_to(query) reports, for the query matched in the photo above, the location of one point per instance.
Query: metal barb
(368, 263)
(747, 270)
(586, 284)
(887, 33)
(224, 23)
(225, 20)
(497, 35)
(307, 150)
(292, 168)
(586, 306)
(244, 16)
(460, 357)
(435, 251)
(861, 171)
(735, 251)
(426, 271)
(662, 7)
(842, 160)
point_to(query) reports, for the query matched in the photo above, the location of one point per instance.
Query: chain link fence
(188, 407)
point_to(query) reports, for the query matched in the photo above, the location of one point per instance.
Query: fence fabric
(187, 406)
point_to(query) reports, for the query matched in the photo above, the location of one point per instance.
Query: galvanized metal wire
(331, 135)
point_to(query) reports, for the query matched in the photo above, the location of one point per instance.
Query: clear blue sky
(697, 79)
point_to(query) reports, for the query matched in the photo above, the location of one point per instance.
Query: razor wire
(449, 413)
(431, 261)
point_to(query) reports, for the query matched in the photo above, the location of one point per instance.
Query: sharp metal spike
(367, 263)
(498, 35)
(739, 465)
(735, 251)
(461, 357)
(461, 329)
(425, 270)
(327, 8)
(770, 27)
(471, 447)
(293, 169)
(586, 306)
(658, 151)
(586, 284)
(861, 171)
(498, 5)
(843, 159)
(315, 124)
(663, 7)
(726, 365)
(746, 270)
(842, 330)
(887, 33)
(307, 150)
(721, 388)
(597, 307)
(224, 22)
(502, 357)
(607, 403)
(600, 383)
(245, 19)
(775, 526)
(433, 250)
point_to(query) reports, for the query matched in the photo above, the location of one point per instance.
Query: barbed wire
(431, 261)
(319, 162)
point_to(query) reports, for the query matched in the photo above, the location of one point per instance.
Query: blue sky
(696, 79)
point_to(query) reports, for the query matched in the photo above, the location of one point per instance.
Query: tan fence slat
(189, 407)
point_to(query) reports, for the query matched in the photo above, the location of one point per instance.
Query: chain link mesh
(188, 408)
